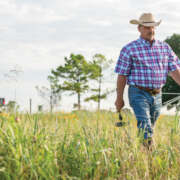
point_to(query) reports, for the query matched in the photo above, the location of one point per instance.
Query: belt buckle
(153, 92)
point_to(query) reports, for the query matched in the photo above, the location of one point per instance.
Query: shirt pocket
(163, 61)
(135, 60)
(139, 61)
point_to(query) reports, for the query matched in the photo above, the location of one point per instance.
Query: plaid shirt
(146, 65)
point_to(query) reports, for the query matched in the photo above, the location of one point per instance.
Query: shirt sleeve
(124, 62)
(174, 61)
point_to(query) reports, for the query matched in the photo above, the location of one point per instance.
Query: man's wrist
(119, 97)
(119, 93)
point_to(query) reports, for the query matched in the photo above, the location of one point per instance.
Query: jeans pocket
(133, 94)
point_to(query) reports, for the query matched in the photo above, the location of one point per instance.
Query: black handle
(120, 117)
(120, 123)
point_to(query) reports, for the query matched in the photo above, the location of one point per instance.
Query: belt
(153, 92)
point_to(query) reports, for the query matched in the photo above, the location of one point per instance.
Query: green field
(86, 145)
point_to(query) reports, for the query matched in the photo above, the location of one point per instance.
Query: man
(144, 65)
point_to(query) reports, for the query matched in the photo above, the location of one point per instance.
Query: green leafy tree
(73, 76)
(174, 42)
(171, 86)
(99, 64)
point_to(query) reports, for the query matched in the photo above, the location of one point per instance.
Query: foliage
(51, 95)
(12, 107)
(73, 76)
(99, 63)
(85, 145)
(174, 42)
(171, 86)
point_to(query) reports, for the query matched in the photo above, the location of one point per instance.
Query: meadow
(86, 145)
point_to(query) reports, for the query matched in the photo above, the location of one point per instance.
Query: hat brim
(145, 24)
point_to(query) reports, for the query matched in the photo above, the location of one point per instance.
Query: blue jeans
(146, 108)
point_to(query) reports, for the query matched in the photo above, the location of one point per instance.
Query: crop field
(86, 145)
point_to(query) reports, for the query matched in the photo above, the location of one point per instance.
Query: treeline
(79, 77)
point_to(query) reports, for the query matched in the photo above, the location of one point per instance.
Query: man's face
(147, 32)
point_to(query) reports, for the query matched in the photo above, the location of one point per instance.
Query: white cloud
(7, 7)
(4, 28)
(37, 14)
(99, 22)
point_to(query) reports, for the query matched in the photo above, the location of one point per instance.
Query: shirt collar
(145, 42)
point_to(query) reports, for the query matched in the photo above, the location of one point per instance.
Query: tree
(99, 63)
(12, 107)
(50, 95)
(171, 86)
(13, 77)
(73, 76)
(174, 42)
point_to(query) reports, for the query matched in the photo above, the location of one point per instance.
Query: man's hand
(119, 103)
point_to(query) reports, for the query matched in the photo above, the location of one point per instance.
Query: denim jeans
(146, 108)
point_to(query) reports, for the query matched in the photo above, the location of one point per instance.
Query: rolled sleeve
(174, 62)
(123, 63)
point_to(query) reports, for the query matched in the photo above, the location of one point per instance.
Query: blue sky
(35, 36)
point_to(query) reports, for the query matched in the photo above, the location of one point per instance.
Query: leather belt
(153, 92)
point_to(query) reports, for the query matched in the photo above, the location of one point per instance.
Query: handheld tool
(121, 122)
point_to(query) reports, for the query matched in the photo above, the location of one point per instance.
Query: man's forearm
(176, 76)
(121, 83)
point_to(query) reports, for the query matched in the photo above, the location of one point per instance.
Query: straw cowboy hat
(146, 19)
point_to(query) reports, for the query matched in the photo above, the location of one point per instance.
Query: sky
(35, 36)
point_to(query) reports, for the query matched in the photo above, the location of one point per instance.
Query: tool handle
(120, 117)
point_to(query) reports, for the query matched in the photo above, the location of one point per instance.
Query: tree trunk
(99, 93)
(51, 104)
(79, 101)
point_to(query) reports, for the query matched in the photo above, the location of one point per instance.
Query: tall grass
(86, 145)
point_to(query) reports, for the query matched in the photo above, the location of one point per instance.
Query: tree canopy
(73, 76)
(171, 86)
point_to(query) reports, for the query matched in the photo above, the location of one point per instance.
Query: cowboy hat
(146, 19)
